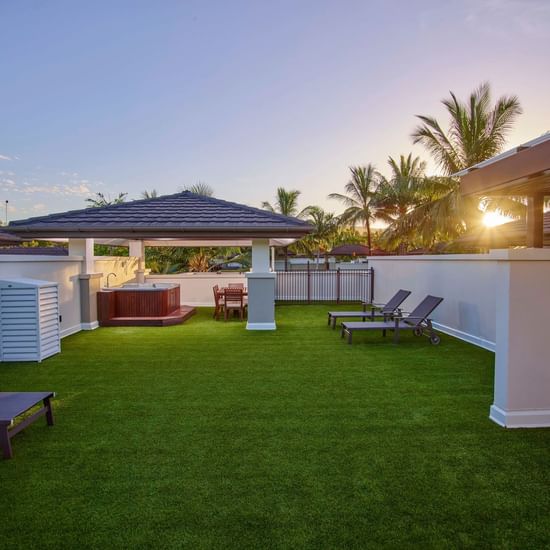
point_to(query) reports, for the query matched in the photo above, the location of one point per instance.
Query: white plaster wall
(63, 270)
(124, 267)
(467, 282)
(196, 288)
(523, 373)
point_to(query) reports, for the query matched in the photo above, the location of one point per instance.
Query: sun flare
(492, 219)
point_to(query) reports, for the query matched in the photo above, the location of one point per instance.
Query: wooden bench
(14, 404)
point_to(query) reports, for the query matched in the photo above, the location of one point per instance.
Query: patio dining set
(230, 300)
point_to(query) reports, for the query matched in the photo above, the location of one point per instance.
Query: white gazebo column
(137, 250)
(522, 367)
(261, 289)
(89, 281)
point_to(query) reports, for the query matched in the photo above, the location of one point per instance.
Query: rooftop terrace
(204, 435)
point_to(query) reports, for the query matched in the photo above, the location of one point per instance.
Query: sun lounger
(417, 321)
(14, 404)
(385, 311)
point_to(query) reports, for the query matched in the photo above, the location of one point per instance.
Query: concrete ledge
(261, 326)
(267, 275)
(535, 418)
(38, 258)
(90, 326)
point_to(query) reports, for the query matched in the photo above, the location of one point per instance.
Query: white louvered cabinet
(29, 320)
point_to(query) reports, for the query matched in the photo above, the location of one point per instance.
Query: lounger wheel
(435, 339)
(418, 331)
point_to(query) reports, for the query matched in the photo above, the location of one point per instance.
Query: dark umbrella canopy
(350, 250)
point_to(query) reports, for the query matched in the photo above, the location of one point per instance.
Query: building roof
(350, 250)
(34, 251)
(522, 171)
(180, 215)
(8, 238)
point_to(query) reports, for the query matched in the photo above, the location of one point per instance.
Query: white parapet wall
(63, 270)
(465, 281)
(196, 288)
(123, 267)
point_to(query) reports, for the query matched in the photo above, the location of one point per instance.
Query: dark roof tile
(185, 212)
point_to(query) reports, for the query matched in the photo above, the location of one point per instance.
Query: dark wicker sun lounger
(417, 321)
(384, 311)
(14, 404)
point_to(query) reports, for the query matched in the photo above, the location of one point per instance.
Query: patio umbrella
(350, 250)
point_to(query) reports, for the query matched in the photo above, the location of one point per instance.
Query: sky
(123, 96)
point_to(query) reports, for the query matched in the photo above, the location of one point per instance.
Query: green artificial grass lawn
(205, 435)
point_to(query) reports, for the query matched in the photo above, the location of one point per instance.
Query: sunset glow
(492, 219)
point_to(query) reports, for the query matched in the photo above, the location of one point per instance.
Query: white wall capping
(257, 275)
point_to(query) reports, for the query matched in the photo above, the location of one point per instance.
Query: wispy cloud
(5, 157)
(521, 17)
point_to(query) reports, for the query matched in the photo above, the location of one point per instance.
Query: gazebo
(522, 371)
(181, 219)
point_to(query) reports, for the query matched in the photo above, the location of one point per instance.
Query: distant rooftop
(180, 215)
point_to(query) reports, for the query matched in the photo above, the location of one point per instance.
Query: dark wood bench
(14, 404)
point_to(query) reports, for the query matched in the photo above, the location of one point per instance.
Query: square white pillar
(84, 248)
(261, 288)
(522, 368)
(89, 282)
(137, 250)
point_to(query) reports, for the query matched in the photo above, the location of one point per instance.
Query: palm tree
(153, 194)
(200, 188)
(101, 200)
(320, 240)
(286, 203)
(396, 196)
(477, 131)
(361, 190)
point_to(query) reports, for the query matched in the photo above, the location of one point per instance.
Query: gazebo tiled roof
(183, 214)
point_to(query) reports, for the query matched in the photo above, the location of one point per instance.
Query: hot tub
(144, 286)
(138, 301)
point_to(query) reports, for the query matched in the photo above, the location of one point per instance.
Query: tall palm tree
(101, 199)
(360, 192)
(153, 194)
(286, 203)
(200, 188)
(325, 227)
(399, 194)
(477, 131)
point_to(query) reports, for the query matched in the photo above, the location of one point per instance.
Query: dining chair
(234, 302)
(218, 301)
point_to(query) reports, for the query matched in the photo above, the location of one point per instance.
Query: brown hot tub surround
(141, 305)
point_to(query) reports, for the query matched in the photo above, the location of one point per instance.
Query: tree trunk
(369, 244)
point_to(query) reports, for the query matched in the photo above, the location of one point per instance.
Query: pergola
(182, 219)
(521, 172)
(522, 371)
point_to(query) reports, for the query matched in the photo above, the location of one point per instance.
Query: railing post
(338, 285)
(308, 284)
(371, 286)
